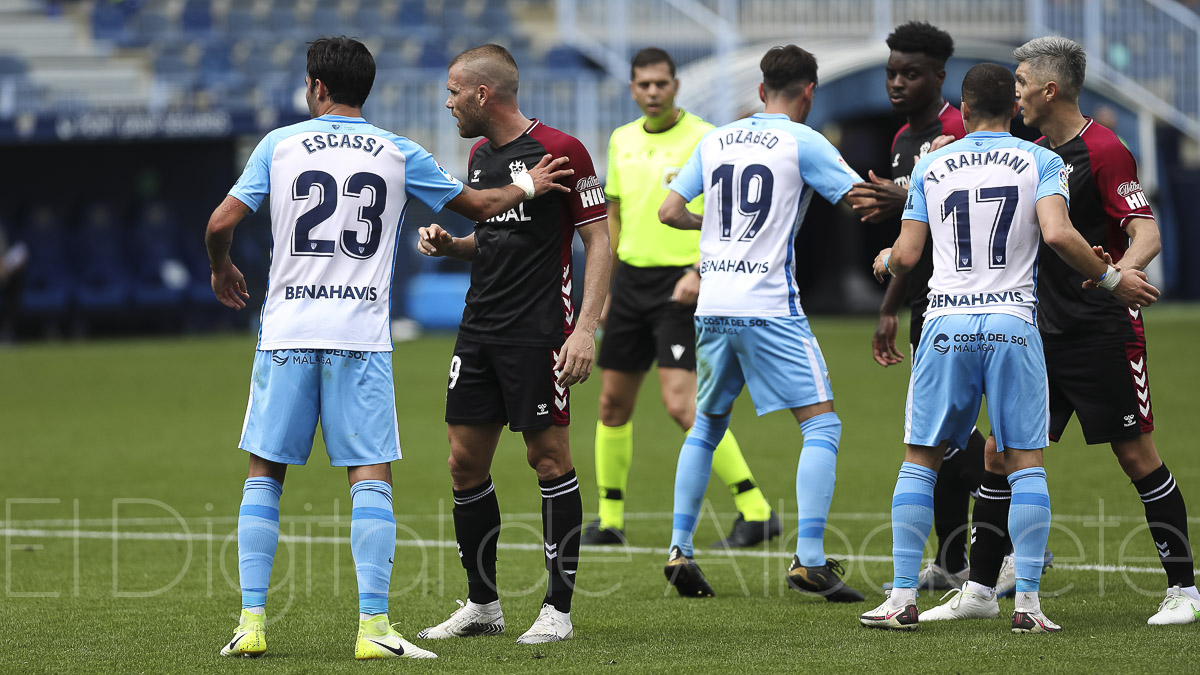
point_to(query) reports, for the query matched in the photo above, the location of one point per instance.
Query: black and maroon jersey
(1105, 195)
(521, 277)
(908, 145)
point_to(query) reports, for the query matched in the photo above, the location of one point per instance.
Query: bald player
(519, 347)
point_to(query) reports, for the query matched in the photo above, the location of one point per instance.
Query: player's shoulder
(554, 139)
(694, 123)
(952, 122)
(1103, 142)
(629, 132)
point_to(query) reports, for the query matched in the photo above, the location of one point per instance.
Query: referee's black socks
(476, 527)
(1167, 515)
(562, 520)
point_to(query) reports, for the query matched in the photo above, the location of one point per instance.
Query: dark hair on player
(989, 91)
(491, 65)
(650, 56)
(787, 70)
(920, 37)
(345, 66)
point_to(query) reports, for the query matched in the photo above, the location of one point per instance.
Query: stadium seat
(104, 283)
(108, 22)
(49, 275)
(196, 18)
(162, 277)
(12, 66)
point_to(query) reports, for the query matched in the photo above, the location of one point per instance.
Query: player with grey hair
(1057, 60)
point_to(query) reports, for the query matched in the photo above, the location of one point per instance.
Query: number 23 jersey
(339, 187)
(757, 175)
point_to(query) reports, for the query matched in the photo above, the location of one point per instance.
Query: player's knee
(681, 410)
(613, 411)
(462, 470)
(1138, 457)
(550, 467)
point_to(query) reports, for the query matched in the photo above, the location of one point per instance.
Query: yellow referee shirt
(640, 166)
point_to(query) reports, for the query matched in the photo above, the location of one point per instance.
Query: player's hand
(883, 198)
(941, 142)
(229, 286)
(879, 268)
(687, 289)
(1103, 256)
(547, 172)
(575, 359)
(1134, 291)
(883, 343)
(434, 241)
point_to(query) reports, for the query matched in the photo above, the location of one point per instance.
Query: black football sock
(477, 527)
(989, 529)
(562, 518)
(951, 504)
(1167, 515)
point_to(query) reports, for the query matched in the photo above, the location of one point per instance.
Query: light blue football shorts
(351, 393)
(965, 356)
(776, 358)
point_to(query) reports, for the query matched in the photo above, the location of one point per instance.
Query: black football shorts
(644, 324)
(1106, 383)
(510, 384)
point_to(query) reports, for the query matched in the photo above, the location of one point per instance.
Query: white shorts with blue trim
(351, 393)
(776, 358)
(963, 357)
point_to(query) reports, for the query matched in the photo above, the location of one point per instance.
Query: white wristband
(1110, 279)
(524, 181)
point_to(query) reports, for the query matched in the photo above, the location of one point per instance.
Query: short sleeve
(425, 179)
(255, 182)
(585, 202)
(915, 207)
(1115, 173)
(612, 184)
(822, 167)
(1052, 176)
(689, 183)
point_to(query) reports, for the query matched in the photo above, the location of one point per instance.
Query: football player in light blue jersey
(339, 187)
(757, 176)
(984, 200)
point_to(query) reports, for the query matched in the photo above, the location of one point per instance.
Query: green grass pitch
(122, 480)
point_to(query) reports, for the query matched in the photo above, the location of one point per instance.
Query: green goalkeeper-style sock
(614, 454)
(731, 467)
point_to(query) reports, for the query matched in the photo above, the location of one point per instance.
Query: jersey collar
(771, 116)
(342, 118)
(987, 134)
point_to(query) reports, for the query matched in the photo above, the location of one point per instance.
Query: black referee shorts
(1105, 382)
(644, 324)
(511, 384)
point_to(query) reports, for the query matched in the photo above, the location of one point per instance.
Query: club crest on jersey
(475, 175)
(925, 148)
(516, 167)
(669, 174)
(896, 161)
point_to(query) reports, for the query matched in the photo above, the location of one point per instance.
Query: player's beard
(470, 120)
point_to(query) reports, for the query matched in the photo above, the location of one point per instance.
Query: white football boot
(964, 605)
(551, 626)
(468, 620)
(1176, 609)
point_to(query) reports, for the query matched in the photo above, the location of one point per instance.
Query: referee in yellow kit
(648, 313)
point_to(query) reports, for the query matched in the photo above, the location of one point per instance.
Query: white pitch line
(451, 544)
(434, 517)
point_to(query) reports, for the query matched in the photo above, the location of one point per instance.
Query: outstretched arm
(228, 284)
(479, 205)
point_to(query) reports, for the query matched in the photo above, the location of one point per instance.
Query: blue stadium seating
(104, 284)
(161, 275)
(49, 276)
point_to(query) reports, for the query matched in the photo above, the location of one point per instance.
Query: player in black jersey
(1095, 347)
(916, 70)
(519, 347)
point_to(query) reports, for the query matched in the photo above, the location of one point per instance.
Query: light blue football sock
(912, 517)
(373, 543)
(258, 537)
(1029, 525)
(815, 476)
(691, 476)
